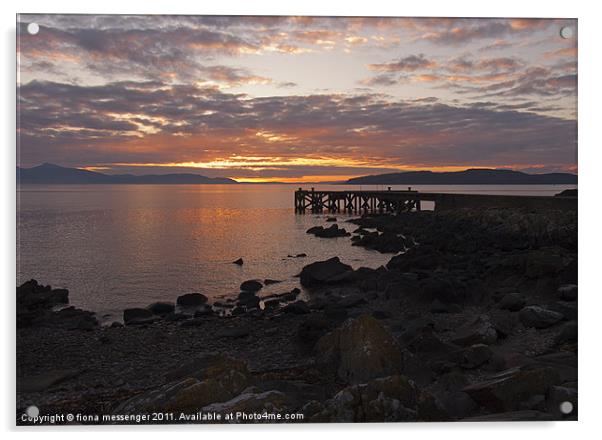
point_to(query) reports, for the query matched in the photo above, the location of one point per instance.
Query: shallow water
(119, 246)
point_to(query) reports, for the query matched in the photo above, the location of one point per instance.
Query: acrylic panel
(281, 219)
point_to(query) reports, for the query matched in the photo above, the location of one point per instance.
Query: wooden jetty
(396, 201)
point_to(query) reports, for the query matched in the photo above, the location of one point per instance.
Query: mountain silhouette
(48, 173)
(475, 176)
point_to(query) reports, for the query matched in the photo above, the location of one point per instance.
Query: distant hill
(48, 173)
(467, 177)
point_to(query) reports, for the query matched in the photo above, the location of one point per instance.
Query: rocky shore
(473, 318)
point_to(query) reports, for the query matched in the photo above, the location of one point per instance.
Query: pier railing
(396, 201)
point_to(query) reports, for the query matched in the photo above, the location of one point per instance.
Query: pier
(397, 201)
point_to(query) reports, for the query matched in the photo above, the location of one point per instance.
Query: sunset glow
(296, 99)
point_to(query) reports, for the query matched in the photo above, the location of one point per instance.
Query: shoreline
(478, 293)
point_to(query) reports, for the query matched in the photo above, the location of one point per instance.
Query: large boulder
(480, 331)
(506, 391)
(251, 286)
(568, 292)
(204, 381)
(191, 299)
(161, 308)
(539, 317)
(512, 301)
(331, 271)
(387, 399)
(360, 350)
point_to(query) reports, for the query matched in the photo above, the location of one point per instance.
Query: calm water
(119, 246)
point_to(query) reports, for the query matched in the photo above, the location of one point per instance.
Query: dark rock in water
(437, 288)
(138, 316)
(272, 303)
(236, 311)
(297, 308)
(240, 262)
(251, 286)
(475, 356)
(539, 317)
(568, 333)
(268, 281)
(331, 271)
(360, 350)
(301, 255)
(505, 391)
(568, 292)
(417, 258)
(191, 299)
(236, 332)
(34, 300)
(480, 331)
(193, 322)
(161, 308)
(250, 402)
(330, 232)
(331, 219)
(512, 301)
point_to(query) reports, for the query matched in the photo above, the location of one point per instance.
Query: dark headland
(475, 176)
(473, 318)
(48, 173)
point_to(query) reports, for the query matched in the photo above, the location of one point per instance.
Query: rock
(193, 322)
(331, 219)
(249, 403)
(350, 301)
(568, 292)
(380, 314)
(206, 310)
(387, 399)
(310, 330)
(43, 381)
(234, 333)
(137, 316)
(568, 309)
(539, 317)
(568, 333)
(360, 350)
(249, 301)
(207, 380)
(297, 308)
(335, 312)
(330, 232)
(191, 299)
(269, 281)
(161, 308)
(173, 317)
(512, 301)
(240, 262)
(544, 262)
(331, 271)
(505, 391)
(438, 307)
(116, 324)
(251, 286)
(475, 356)
(480, 331)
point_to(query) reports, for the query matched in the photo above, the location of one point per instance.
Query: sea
(121, 246)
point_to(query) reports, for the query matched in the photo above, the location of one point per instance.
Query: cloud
(406, 64)
(151, 122)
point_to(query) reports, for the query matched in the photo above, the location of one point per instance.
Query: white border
(589, 213)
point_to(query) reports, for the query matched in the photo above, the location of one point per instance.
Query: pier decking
(395, 201)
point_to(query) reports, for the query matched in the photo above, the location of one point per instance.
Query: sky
(296, 99)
